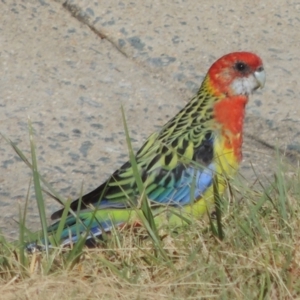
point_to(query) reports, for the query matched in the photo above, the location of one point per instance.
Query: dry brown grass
(259, 257)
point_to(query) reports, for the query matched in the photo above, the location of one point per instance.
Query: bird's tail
(93, 224)
(86, 224)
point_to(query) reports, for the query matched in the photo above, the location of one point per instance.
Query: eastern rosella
(201, 141)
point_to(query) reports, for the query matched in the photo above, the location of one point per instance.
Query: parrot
(177, 164)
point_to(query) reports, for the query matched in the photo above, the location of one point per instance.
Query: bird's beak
(260, 76)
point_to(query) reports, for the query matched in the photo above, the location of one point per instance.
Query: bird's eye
(240, 66)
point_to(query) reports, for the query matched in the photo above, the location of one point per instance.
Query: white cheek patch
(245, 85)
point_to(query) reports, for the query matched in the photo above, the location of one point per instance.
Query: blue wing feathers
(179, 193)
(176, 194)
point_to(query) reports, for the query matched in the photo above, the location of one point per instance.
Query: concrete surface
(69, 66)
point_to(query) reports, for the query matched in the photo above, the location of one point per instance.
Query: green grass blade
(145, 207)
(218, 207)
(62, 221)
(21, 238)
(22, 228)
(54, 195)
(38, 190)
(144, 202)
(147, 217)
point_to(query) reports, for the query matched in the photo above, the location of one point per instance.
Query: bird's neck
(230, 112)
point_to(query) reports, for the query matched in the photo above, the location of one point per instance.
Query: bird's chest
(228, 146)
(227, 152)
(229, 115)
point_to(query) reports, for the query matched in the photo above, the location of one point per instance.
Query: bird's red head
(237, 73)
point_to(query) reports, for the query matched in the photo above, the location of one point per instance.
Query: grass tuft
(250, 250)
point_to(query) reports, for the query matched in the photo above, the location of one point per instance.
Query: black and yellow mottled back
(185, 141)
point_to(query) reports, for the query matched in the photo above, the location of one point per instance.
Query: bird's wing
(169, 162)
(169, 173)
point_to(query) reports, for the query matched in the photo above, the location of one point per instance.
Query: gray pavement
(70, 66)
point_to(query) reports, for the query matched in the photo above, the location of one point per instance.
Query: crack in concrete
(83, 18)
